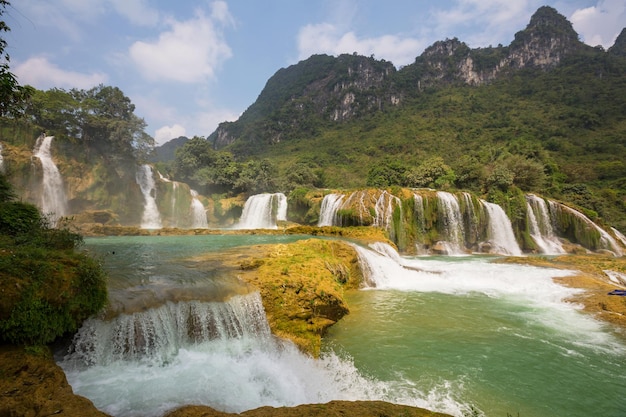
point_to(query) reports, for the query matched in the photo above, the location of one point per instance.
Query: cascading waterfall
(262, 211)
(1, 158)
(606, 240)
(53, 200)
(451, 221)
(218, 354)
(384, 210)
(540, 225)
(198, 212)
(500, 232)
(159, 333)
(151, 218)
(619, 235)
(328, 210)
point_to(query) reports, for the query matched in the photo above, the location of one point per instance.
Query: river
(460, 335)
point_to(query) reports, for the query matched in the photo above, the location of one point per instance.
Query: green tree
(433, 172)
(13, 96)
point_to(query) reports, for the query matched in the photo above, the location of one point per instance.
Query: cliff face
(321, 88)
(324, 89)
(547, 39)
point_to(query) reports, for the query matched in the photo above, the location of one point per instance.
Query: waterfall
(500, 231)
(619, 235)
(53, 200)
(158, 334)
(261, 211)
(384, 210)
(1, 158)
(328, 211)
(151, 218)
(198, 212)
(451, 222)
(540, 225)
(606, 240)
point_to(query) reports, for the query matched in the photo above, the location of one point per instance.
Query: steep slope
(323, 91)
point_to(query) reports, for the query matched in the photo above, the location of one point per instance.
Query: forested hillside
(546, 114)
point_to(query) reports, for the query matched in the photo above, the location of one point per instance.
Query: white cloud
(189, 52)
(136, 11)
(489, 22)
(42, 74)
(167, 133)
(600, 24)
(327, 38)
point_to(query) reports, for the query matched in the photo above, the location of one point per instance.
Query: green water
(472, 336)
(489, 354)
(147, 271)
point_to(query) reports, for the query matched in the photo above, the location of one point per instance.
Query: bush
(48, 287)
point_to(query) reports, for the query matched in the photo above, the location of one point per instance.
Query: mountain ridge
(347, 87)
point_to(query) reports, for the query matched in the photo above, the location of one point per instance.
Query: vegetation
(48, 287)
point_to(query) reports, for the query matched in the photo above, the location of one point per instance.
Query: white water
(1, 158)
(151, 218)
(540, 225)
(519, 284)
(606, 240)
(53, 200)
(384, 210)
(619, 235)
(500, 232)
(452, 221)
(198, 212)
(147, 364)
(258, 212)
(328, 210)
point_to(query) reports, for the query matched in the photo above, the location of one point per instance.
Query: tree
(13, 96)
(433, 172)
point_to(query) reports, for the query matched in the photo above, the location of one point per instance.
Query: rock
(33, 385)
(331, 409)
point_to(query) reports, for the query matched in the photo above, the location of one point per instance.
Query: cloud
(167, 133)
(489, 21)
(327, 38)
(189, 52)
(136, 11)
(42, 74)
(600, 24)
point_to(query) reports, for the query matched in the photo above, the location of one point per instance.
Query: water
(450, 334)
(540, 225)
(262, 211)
(452, 222)
(1, 159)
(198, 212)
(501, 338)
(151, 218)
(328, 210)
(53, 200)
(501, 234)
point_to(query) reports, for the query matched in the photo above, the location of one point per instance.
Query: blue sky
(189, 65)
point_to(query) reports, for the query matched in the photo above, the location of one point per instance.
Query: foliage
(101, 117)
(49, 287)
(13, 96)
(210, 171)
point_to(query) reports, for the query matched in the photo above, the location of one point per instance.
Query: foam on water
(545, 302)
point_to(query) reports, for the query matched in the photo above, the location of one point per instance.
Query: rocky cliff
(324, 89)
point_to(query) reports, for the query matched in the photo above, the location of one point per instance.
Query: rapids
(459, 335)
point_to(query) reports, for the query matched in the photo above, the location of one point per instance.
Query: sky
(189, 65)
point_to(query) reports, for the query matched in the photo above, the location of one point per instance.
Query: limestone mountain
(322, 91)
(619, 47)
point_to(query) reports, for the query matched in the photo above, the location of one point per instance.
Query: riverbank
(302, 285)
